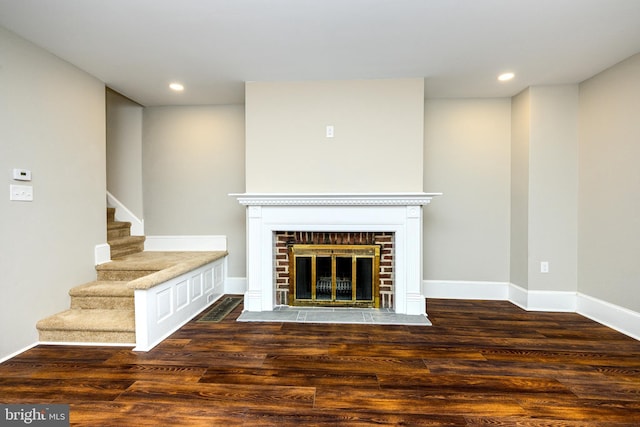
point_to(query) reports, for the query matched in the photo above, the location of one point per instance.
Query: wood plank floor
(481, 363)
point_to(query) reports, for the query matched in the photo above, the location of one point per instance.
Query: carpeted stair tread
(135, 266)
(90, 321)
(102, 294)
(127, 240)
(115, 225)
(119, 253)
(150, 260)
(126, 275)
(127, 245)
(116, 230)
(102, 288)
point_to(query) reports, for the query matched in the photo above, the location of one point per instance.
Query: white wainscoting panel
(163, 309)
(196, 286)
(219, 275)
(208, 279)
(182, 295)
(164, 304)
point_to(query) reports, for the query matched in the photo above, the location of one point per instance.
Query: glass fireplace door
(342, 275)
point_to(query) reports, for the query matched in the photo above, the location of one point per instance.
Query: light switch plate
(23, 193)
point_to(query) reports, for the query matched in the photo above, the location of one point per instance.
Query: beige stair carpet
(102, 311)
(94, 325)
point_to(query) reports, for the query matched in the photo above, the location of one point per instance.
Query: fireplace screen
(344, 275)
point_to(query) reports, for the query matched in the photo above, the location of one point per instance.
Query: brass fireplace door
(334, 275)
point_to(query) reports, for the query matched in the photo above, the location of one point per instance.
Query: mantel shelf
(335, 199)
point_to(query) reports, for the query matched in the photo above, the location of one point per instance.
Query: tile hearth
(334, 315)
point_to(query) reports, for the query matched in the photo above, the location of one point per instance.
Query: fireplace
(334, 275)
(397, 215)
(292, 249)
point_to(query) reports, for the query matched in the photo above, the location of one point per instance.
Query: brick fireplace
(285, 240)
(396, 217)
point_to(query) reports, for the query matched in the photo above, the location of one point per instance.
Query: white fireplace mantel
(334, 199)
(400, 213)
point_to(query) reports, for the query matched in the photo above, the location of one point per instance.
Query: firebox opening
(334, 275)
(347, 271)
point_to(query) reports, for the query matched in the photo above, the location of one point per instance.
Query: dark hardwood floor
(481, 363)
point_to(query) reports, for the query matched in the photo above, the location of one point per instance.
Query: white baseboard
(558, 301)
(16, 353)
(235, 285)
(619, 318)
(460, 289)
(518, 296)
(185, 243)
(124, 214)
(87, 344)
(102, 253)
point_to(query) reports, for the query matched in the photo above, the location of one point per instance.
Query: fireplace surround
(397, 213)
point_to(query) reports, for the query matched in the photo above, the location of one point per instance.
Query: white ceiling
(137, 47)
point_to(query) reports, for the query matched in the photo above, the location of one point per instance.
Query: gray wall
(193, 151)
(519, 237)
(52, 121)
(553, 187)
(609, 194)
(124, 151)
(466, 156)
(193, 157)
(377, 145)
(544, 188)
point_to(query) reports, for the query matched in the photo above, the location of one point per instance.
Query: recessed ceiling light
(506, 76)
(176, 86)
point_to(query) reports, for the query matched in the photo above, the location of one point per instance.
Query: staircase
(119, 237)
(102, 311)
